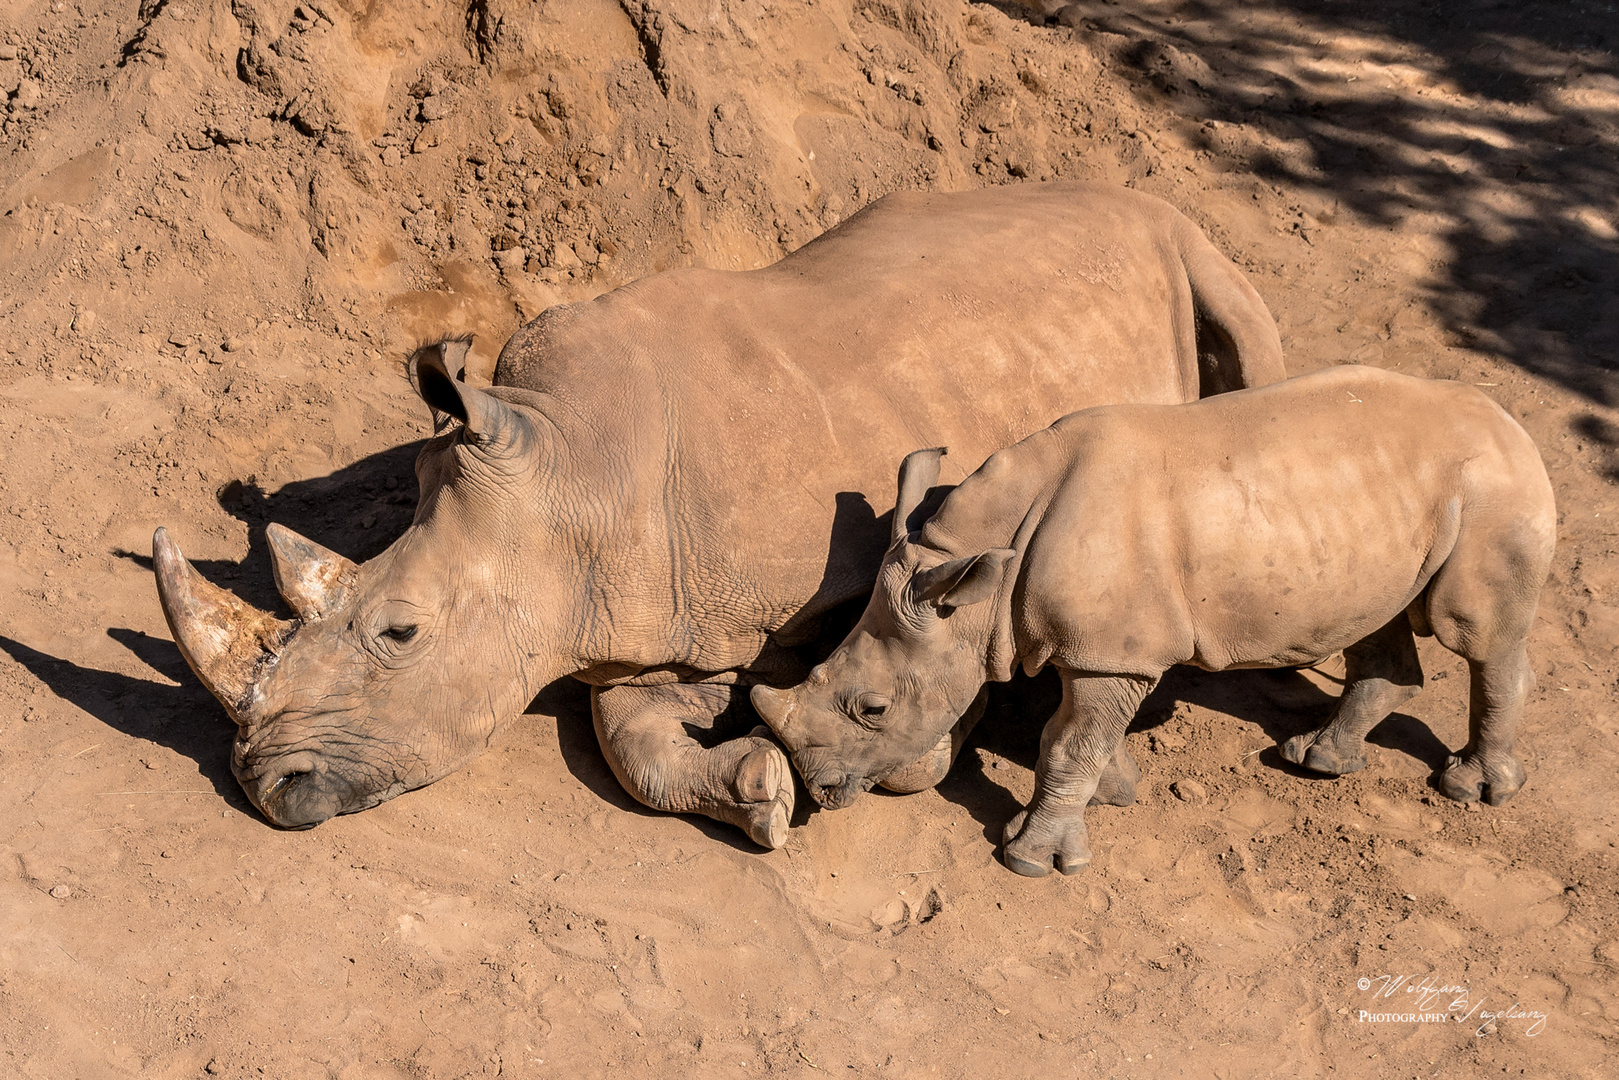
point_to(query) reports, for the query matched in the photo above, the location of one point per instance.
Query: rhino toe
(1032, 850)
(768, 828)
(1467, 778)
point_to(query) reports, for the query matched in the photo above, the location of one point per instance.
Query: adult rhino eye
(399, 633)
(871, 707)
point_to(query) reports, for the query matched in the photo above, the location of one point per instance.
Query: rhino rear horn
(489, 423)
(313, 580)
(228, 643)
(917, 475)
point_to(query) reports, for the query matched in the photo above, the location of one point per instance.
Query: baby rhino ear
(960, 582)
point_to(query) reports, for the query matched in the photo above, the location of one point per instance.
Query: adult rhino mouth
(299, 791)
(833, 791)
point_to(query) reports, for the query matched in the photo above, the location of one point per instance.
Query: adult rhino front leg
(645, 734)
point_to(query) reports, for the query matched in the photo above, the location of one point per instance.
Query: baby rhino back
(1279, 525)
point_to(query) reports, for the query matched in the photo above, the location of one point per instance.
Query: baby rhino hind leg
(1487, 766)
(1481, 606)
(1382, 673)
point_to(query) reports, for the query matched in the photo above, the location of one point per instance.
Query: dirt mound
(224, 222)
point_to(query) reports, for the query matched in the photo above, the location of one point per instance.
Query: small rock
(84, 321)
(1471, 808)
(434, 107)
(214, 1068)
(61, 892)
(165, 854)
(260, 130)
(411, 204)
(179, 340)
(28, 96)
(562, 257)
(428, 85)
(1189, 791)
(426, 139)
(894, 912)
(232, 344)
(512, 259)
(8, 52)
(392, 156)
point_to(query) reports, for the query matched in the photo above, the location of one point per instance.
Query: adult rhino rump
(672, 485)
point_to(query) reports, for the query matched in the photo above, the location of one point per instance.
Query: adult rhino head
(394, 672)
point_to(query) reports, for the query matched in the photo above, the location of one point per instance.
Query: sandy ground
(224, 222)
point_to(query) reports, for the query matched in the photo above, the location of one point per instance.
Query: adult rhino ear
(964, 581)
(487, 422)
(917, 475)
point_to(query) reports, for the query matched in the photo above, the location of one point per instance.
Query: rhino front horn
(228, 643)
(313, 580)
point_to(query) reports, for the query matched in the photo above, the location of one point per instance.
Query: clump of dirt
(223, 223)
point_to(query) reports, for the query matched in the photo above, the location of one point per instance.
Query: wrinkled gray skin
(1344, 510)
(673, 487)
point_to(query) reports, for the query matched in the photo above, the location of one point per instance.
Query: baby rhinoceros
(1347, 509)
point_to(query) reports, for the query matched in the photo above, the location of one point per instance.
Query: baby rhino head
(906, 673)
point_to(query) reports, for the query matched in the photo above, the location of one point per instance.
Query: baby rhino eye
(870, 708)
(399, 633)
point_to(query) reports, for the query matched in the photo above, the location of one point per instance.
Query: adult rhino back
(669, 485)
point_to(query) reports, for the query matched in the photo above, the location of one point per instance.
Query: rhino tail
(1238, 345)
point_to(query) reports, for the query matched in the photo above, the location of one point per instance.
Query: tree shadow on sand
(1497, 120)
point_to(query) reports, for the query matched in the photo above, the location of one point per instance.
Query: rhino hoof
(768, 828)
(760, 775)
(1025, 867)
(1032, 856)
(1316, 754)
(1466, 780)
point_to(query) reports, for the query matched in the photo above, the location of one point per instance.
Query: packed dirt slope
(224, 222)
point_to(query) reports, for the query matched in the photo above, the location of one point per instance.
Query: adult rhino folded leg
(744, 782)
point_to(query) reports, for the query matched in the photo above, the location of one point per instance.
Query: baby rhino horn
(313, 580)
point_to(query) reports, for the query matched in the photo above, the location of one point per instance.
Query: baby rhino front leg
(1078, 744)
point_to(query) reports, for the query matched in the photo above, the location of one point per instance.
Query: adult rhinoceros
(671, 486)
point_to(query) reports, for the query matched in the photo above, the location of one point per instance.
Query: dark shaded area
(184, 718)
(1532, 273)
(1281, 702)
(356, 511)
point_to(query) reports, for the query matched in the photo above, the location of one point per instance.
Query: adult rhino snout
(833, 790)
(298, 792)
